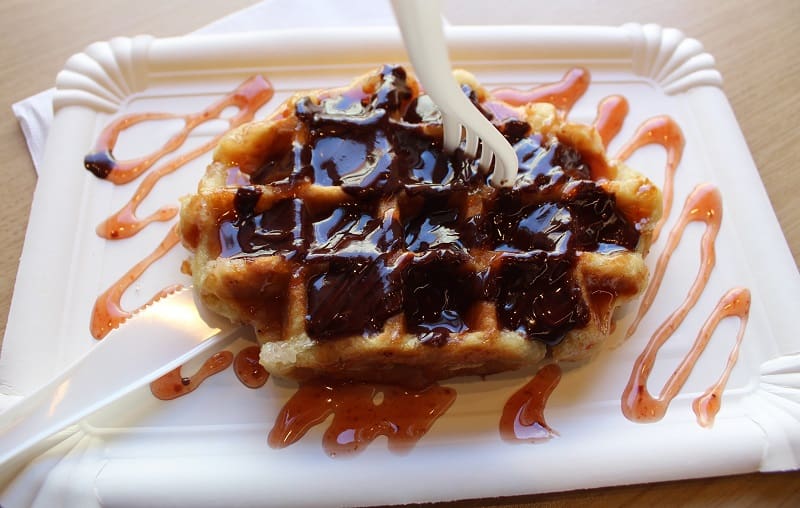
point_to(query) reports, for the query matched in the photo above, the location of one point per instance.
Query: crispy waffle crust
(357, 250)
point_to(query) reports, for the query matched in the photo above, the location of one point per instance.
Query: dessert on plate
(358, 250)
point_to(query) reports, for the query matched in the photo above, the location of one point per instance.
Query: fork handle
(420, 23)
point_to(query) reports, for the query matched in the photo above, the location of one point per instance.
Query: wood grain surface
(755, 44)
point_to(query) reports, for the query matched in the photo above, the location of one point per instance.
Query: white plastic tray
(209, 448)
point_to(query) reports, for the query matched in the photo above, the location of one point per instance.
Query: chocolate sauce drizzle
(403, 237)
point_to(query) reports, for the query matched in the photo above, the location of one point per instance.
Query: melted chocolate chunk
(514, 130)
(423, 167)
(535, 294)
(352, 296)
(353, 230)
(423, 110)
(279, 169)
(544, 168)
(437, 224)
(281, 229)
(245, 201)
(598, 220)
(393, 93)
(438, 291)
(546, 227)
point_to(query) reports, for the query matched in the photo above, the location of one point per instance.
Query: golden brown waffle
(358, 251)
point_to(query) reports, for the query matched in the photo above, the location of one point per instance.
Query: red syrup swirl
(522, 419)
(704, 204)
(735, 302)
(637, 402)
(611, 113)
(359, 416)
(664, 131)
(248, 98)
(247, 369)
(173, 384)
(562, 94)
(108, 313)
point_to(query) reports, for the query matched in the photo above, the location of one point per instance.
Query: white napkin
(35, 114)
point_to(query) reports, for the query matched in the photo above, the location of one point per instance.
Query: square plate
(209, 448)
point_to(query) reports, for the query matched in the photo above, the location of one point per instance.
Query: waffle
(357, 250)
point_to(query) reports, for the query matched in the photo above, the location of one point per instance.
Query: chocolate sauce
(277, 230)
(534, 294)
(352, 296)
(439, 222)
(402, 240)
(99, 163)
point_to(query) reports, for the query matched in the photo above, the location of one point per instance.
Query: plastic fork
(420, 23)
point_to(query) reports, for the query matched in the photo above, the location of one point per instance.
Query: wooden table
(755, 45)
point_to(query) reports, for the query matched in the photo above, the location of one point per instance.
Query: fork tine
(487, 155)
(452, 134)
(471, 146)
(502, 176)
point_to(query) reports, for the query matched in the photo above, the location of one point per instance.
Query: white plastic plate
(210, 448)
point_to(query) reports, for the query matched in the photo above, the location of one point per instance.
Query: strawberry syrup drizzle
(562, 94)
(611, 113)
(664, 131)
(735, 302)
(522, 419)
(247, 368)
(248, 98)
(523, 416)
(173, 384)
(402, 415)
(704, 204)
(108, 313)
(637, 402)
